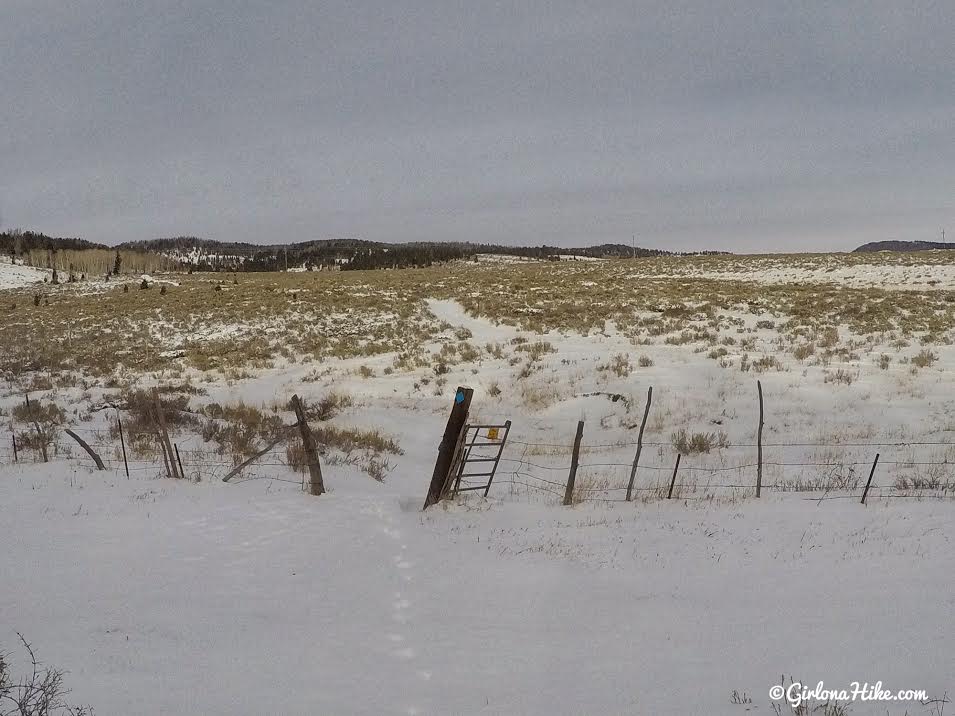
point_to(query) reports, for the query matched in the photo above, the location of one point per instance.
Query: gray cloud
(739, 126)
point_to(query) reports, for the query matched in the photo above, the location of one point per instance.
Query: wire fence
(831, 471)
(540, 470)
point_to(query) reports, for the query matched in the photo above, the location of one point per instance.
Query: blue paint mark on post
(459, 398)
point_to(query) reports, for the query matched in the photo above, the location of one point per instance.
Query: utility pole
(286, 259)
(633, 245)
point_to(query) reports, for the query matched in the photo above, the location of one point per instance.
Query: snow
(18, 276)
(916, 277)
(163, 597)
(252, 597)
(152, 279)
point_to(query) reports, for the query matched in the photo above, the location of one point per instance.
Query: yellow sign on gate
(492, 433)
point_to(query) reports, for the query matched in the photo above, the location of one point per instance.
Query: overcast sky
(767, 125)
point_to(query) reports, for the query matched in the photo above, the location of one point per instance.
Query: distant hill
(25, 241)
(903, 246)
(352, 254)
(347, 254)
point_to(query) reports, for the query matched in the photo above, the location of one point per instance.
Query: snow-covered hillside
(17, 276)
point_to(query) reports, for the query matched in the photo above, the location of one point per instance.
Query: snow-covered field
(162, 596)
(17, 276)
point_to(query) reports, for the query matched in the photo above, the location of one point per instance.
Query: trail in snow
(164, 597)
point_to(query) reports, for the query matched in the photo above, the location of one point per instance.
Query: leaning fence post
(13, 437)
(869, 481)
(171, 468)
(449, 441)
(87, 448)
(759, 442)
(182, 473)
(673, 479)
(575, 458)
(636, 458)
(316, 485)
(122, 442)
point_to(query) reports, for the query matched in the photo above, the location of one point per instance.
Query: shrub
(328, 407)
(239, 430)
(468, 353)
(924, 359)
(839, 376)
(140, 425)
(38, 412)
(495, 350)
(619, 365)
(40, 693)
(765, 363)
(679, 340)
(350, 439)
(644, 361)
(804, 350)
(537, 350)
(829, 337)
(43, 419)
(362, 448)
(686, 444)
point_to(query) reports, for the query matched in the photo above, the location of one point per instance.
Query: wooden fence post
(449, 441)
(122, 441)
(171, 468)
(316, 485)
(575, 458)
(673, 479)
(165, 457)
(759, 442)
(13, 437)
(182, 473)
(85, 446)
(868, 482)
(636, 458)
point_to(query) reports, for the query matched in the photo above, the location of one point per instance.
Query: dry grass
(924, 359)
(619, 365)
(240, 430)
(365, 449)
(686, 443)
(270, 317)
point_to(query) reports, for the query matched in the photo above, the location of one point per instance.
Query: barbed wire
(215, 462)
(732, 446)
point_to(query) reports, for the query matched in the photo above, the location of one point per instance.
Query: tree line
(198, 254)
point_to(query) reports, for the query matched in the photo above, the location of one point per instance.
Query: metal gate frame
(462, 457)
